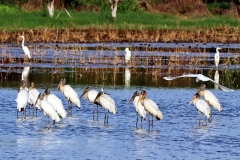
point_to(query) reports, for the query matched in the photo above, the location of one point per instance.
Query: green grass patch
(12, 19)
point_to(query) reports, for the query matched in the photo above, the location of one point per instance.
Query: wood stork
(127, 56)
(199, 77)
(209, 97)
(138, 106)
(22, 100)
(107, 103)
(25, 48)
(56, 103)
(33, 96)
(90, 95)
(70, 94)
(150, 106)
(202, 107)
(48, 109)
(217, 57)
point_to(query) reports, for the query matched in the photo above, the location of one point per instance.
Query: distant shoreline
(114, 35)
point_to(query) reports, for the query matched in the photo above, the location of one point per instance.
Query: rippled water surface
(177, 136)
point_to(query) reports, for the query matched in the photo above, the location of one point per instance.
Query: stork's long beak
(130, 100)
(192, 100)
(58, 86)
(82, 94)
(37, 98)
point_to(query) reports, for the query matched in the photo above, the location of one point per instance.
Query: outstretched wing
(185, 75)
(222, 87)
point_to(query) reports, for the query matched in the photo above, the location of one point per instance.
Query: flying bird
(70, 94)
(217, 57)
(209, 97)
(25, 48)
(138, 106)
(150, 106)
(199, 77)
(107, 103)
(202, 107)
(90, 95)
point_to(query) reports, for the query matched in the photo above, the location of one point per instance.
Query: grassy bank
(13, 19)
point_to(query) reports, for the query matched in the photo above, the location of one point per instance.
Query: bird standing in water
(127, 56)
(70, 94)
(91, 95)
(150, 106)
(25, 48)
(107, 103)
(138, 106)
(217, 56)
(202, 107)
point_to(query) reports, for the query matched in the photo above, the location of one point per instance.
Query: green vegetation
(13, 19)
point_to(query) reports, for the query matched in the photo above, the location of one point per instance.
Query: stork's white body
(57, 105)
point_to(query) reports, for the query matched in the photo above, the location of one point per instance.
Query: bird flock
(53, 107)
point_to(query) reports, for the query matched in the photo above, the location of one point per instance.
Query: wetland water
(177, 136)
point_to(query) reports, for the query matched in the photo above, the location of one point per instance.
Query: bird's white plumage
(22, 99)
(127, 55)
(70, 94)
(48, 110)
(209, 97)
(217, 56)
(151, 107)
(202, 106)
(57, 104)
(33, 95)
(139, 107)
(25, 49)
(91, 95)
(107, 103)
(199, 77)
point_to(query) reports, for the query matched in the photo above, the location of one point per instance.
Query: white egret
(25, 48)
(217, 57)
(202, 107)
(150, 106)
(209, 97)
(56, 103)
(90, 95)
(127, 56)
(107, 103)
(48, 109)
(22, 100)
(199, 77)
(70, 94)
(33, 95)
(138, 106)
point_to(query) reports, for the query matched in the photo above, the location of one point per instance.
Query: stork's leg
(199, 118)
(136, 119)
(36, 111)
(104, 116)
(17, 113)
(152, 120)
(93, 111)
(107, 116)
(97, 112)
(141, 122)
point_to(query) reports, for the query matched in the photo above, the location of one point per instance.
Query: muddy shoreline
(224, 35)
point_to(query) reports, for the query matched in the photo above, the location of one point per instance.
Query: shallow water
(177, 136)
